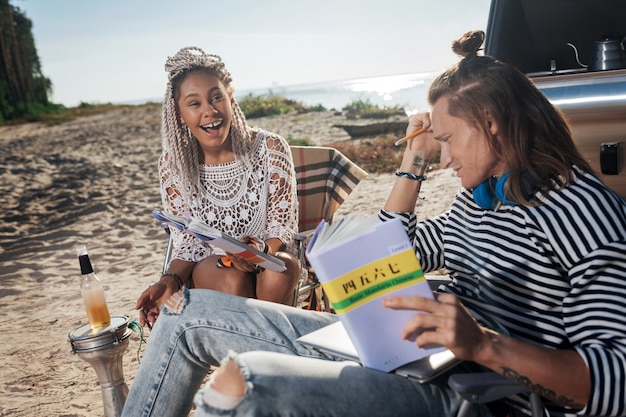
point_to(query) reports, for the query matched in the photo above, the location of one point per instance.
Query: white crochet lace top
(240, 202)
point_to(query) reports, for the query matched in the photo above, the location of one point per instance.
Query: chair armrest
(484, 387)
(435, 281)
(303, 236)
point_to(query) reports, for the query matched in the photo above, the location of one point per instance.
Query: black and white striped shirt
(553, 275)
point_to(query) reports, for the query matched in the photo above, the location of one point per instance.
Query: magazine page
(228, 244)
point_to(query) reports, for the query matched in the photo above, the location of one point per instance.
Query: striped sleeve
(585, 229)
(426, 236)
(594, 315)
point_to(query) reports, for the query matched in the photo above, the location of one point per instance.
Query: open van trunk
(533, 36)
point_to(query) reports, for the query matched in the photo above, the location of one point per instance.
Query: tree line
(24, 90)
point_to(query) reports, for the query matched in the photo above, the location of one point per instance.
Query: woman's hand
(449, 324)
(240, 263)
(150, 300)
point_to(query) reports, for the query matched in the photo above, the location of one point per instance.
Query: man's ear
(490, 122)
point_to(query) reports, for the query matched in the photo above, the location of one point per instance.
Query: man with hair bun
(534, 244)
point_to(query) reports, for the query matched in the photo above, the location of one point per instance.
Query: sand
(93, 181)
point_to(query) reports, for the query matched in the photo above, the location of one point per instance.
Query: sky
(101, 51)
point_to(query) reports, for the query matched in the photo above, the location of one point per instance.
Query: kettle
(608, 54)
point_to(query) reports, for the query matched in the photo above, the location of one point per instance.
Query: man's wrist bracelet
(177, 277)
(410, 176)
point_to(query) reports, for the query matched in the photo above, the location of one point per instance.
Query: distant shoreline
(404, 90)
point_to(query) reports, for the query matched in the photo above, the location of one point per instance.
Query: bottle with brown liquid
(92, 292)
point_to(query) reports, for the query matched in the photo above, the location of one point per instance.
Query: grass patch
(367, 110)
(270, 104)
(376, 156)
(58, 114)
(254, 106)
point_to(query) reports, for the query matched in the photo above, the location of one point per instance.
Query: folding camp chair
(325, 178)
(486, 387)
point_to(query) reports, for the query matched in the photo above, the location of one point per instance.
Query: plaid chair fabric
(325, 178)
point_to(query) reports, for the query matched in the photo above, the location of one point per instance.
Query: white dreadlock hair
(183, 149)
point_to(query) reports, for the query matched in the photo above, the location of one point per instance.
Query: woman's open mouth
(212, 126)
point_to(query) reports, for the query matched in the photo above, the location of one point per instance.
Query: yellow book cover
(360, 261)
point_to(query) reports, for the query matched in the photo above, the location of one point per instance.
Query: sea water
(407, 91)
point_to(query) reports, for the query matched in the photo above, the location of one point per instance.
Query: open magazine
(218, 239)
(360, 261)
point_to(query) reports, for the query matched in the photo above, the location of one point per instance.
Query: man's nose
(445, 159)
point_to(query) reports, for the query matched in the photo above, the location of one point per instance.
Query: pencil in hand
(410, 136)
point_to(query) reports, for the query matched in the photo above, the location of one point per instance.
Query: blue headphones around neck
(490, 193)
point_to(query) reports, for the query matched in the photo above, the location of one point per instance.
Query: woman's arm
(282, 200)
(178, 272)
(186, 246)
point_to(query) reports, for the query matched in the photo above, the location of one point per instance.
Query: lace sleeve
(186, 246)
(282, 221)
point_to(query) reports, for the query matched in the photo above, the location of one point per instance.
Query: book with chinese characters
(360, 261)
(218, 239)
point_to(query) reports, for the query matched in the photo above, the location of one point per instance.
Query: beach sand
(93, 181)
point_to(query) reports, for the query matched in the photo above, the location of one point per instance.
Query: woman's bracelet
(411, 176)
(177, 277)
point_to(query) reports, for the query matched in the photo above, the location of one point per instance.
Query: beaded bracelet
(177, 277)
(411, 176)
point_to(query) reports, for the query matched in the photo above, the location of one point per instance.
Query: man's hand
(447, 323)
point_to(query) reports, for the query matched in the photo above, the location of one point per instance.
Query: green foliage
(24, 89)
(54, 114)
(254, 106)
(5, 103)
(365, 109)
(64, 114)
(378, 155)
(297, 142)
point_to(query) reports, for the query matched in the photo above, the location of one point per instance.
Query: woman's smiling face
(205, 106)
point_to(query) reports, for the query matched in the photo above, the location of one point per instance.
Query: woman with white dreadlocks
(216, 168)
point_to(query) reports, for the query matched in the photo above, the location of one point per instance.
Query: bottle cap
(83, 260)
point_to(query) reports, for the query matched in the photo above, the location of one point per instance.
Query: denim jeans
(283, 378)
